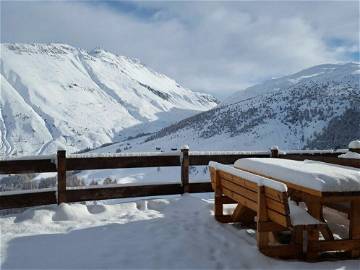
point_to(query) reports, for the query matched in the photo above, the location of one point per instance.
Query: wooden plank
(269, 192)
(212, 177)
(227, 200)
(275, 205)
(94, 163)
(334, 197)
(312, 236)
(27, 166)
(104, 193)
(274, 216)
(262, 238)
(218, 205)
(184, 160)
(240, 190)
(237, 180)
(199, 187)
(334, 245)
(282, 251)
(279, 218)
(271, 226)
(61, 176)
(354, 230)
(27, 199)
(244, 201)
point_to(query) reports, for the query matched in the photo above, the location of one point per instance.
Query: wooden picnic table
(317, 184)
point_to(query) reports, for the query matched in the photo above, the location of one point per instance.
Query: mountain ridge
(293, 117)
(72, 98)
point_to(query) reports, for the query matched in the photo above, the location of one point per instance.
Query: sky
(213, 47)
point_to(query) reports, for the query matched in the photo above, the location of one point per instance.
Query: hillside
(56, 95)
(315, 108)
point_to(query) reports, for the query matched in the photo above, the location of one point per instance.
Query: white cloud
(209, 46)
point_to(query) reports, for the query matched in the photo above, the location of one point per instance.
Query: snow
(128, 154)
(55, 95)
(168, 233)
(320, 73)
(33, 157)
(221, 153)
(315, 152)
(311, 174)
(185, 147)
(354, 144)
(259, 180)
(299, 215)
(349, 154)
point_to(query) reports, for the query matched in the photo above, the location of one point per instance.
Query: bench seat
(299, 216)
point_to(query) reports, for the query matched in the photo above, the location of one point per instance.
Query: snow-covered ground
(173, 232)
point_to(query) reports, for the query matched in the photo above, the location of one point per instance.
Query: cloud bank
(214, 47)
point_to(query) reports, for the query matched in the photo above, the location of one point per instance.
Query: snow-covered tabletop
(315, 175)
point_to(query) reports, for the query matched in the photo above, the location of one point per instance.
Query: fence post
(274, 151)
(354, 146)
(61, 176)
(184, 161)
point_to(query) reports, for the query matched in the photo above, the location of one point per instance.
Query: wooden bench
(266, 201)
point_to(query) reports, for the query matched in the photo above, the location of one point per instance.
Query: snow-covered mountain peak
(325, 73)
(57, 95)
(38, 48)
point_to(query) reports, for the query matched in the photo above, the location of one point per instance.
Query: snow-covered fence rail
(61, 163)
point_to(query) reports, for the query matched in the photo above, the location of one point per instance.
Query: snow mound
(158, 204)
(354, 144)
(73, 212)
(35, 215)
(98, 208)
(351, 155)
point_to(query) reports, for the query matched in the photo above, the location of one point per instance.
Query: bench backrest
(252, 191)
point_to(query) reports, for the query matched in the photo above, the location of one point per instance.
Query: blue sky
(215, 47)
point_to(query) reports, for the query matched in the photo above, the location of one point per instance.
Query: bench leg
(298, 240)
(218, 207)
(244, 215)
(312, 235)
(316, 210)
(262, 239)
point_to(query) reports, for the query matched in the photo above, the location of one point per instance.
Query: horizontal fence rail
(61, 163)
(27, 166)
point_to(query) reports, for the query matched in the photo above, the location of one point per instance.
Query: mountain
(335, 73)
(315, 108)
(55, 95)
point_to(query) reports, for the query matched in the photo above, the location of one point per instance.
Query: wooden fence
(61, 163)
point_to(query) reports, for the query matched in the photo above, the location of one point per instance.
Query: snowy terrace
(177, 232)
(169, 231)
